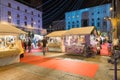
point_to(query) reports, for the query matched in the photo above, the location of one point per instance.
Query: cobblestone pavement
(23, 71)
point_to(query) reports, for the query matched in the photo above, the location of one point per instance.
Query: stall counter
(9, 56)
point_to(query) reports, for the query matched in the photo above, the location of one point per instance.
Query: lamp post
(114, 24)
(114, 18)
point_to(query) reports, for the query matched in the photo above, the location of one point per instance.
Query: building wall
(27, 15)
(58, 25)
(93, 16)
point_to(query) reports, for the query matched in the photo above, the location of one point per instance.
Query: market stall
(56, 41)
(10, 45)
(76, 38)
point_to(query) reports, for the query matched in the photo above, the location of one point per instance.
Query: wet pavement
(23, 71)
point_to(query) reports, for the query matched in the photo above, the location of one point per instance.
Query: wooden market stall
(10, 44)
(56, 41)
(76, 38)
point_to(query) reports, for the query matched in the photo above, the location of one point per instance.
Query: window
(38, 15)
(9, 13)
(92, 24)
(77, 25)
(68, 22)
(98, 24)
(39, 21)
(9, 4)
(18, 22)
(26, 10)
(98, 12)
(73, 26)
(25, 18)
(68, 26)
(9, 17)
(92, 19)
(92, 13)
(25, 23)
(18, 16)
(73, 22)
(104, 23)
(104, 11)
(31, 19)
(77, 21)
(98, 18)
(38, 26)
(32, 12)
(32, 24)
(18, 8)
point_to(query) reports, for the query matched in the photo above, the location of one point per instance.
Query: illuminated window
(9, 17)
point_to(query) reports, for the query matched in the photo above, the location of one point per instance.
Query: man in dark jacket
(44, 41)
(29, 46)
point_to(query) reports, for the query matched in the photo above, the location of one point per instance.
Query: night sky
(55, 9)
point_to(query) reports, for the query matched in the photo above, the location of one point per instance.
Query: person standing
(25, 45)
(44, 41)
(29, 45)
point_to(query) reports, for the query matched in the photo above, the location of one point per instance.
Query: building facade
(93, 16)
(20, 15)
(57, 25)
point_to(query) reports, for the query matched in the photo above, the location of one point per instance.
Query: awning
(6, 28)
(82, 31)
(56, 34)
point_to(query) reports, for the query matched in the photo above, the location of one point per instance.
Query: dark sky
(55, 9)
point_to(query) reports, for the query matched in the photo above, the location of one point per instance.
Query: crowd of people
(40, 44)
(104, 47)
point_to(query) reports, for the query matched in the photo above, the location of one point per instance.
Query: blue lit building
(93, 16)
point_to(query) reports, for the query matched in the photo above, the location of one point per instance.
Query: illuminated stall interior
(76, 38)
(10, 44)
(55, 41)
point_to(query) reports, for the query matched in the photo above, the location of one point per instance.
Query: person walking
(44, 41)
